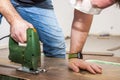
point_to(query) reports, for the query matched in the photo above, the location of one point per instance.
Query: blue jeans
(43, 18)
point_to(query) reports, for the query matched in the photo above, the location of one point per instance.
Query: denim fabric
(0, 18)
(44, 20)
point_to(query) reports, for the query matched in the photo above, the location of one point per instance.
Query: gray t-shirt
(31, 1)
(46, 4)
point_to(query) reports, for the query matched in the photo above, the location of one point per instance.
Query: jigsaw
(28, 56)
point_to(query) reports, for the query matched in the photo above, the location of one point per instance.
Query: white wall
(64, 12)
(107, 22)
(4, 30)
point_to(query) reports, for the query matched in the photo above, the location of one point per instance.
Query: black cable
(4, 37)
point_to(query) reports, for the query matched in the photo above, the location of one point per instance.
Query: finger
(73, 67)
(31, 26)
(90, 69)
(96, 69)
(86, 66)
(21, 39)
(14, 37)
(99, 67)
(24, 37)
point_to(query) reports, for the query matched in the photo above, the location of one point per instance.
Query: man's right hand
(18, 30)
(18, 24)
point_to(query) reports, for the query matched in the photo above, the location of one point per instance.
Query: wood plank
(57, 69)
(98, 53)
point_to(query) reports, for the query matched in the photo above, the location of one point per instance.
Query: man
(80, 28)
(24, 14)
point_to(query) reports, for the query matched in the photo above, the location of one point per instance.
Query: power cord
(4, 37)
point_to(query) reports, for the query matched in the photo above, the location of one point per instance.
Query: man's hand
(77, 64)
(18, 24)
(18, 30)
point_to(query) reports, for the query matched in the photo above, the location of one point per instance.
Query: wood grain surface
(57, 70)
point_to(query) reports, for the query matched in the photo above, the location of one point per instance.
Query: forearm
(8, 11)
(80, 28)
(18, 25)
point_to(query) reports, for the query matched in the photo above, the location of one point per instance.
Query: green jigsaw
(28, 56)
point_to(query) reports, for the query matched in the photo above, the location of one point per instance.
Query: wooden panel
(57, 70)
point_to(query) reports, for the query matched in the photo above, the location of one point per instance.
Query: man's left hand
(77, 64)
